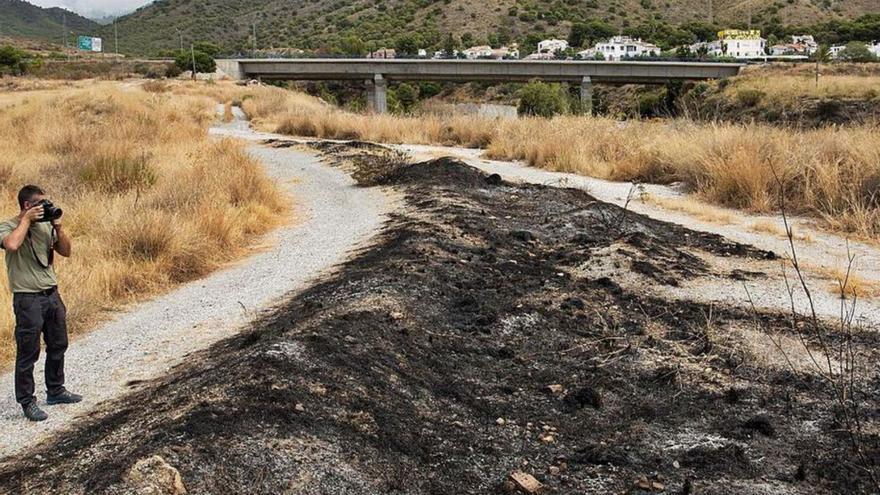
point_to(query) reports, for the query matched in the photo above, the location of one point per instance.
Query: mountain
(20, 19)
(356, 25)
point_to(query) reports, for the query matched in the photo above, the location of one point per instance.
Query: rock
(675, 464)
(643, 483)
(553, 470)
(555, 388)
(525, 482)
(396, 315)
(549, 438)
(762, 424)
(299, 407)
(585, 396)
(500, 422)
(523, 235)
(494, 180)
(154, 476)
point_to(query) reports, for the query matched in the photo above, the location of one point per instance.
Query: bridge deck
(476, 70)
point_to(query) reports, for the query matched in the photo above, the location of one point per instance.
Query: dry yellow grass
(150, 201)
(691, 207)
(777, 229)
(831, 173)
(846, 284)
(786, 83)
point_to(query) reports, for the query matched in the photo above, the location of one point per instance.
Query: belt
(47, 292)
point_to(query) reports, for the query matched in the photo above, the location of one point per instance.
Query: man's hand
(31, 215)
(14, 240)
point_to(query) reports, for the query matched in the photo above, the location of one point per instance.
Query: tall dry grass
(831, 173)
(149, 200)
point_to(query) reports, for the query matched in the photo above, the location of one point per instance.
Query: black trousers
(37, 314)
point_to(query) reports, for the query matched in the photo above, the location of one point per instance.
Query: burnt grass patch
(464, 345)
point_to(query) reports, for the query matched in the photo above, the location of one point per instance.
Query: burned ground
(467, 344)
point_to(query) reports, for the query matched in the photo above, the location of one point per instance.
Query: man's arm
(16, 238)
(62, 243)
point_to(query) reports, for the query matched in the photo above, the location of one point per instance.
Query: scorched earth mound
(470, 343)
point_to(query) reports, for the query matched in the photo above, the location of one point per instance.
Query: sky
(94, 8)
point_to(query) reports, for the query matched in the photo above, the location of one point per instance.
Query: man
(30, 244)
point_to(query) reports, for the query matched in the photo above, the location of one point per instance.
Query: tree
(587, 33)
(204, 62)
(857, 51)
(12, 59)
(449, 45)
(408, 44)
(542, 99)
(207, 48)
(352, 45)
(822, 56)
(407, 96)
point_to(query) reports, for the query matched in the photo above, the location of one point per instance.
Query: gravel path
(332, 217)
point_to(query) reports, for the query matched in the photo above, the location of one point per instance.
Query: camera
(50, 211)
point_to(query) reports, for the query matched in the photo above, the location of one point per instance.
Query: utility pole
(180, 35)
(255, 37)
(193, 50)
(64, 34)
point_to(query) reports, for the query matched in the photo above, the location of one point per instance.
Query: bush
(204, 62)
(856, 51)
(749, 97)
(542, 99)
(12, 60)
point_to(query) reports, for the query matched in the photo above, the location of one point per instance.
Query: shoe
(33, 412)
(63, 398)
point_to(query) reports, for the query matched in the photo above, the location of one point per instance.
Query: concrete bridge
(376, 73)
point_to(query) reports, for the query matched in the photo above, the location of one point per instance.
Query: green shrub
(749, 97)
(542, 99)
(204, 62)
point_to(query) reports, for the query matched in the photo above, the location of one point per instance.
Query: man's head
(29, 196)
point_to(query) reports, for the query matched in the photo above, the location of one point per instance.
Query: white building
(620, 47)
(874, 48)
(475, 52)
(511, 51)
(800, 46)
(742, 44)
(807, 41)
(835, 50)
(588, 54)
(552, 46)
(735, 44)
(383, 53)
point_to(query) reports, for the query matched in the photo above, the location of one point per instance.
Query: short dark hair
(27, 193)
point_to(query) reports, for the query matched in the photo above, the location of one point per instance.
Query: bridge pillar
(377, 94)
(587, 95)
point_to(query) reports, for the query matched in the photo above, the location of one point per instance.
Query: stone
(553, 470)
(525, 482)
(299, 407)
(555, 388)
(154, 476)
(500, 422)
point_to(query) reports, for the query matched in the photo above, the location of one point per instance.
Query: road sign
(89, 44)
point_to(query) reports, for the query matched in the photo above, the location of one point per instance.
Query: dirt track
(425, 364)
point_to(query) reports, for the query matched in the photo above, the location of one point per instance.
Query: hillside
(334, 25)
(24, 20)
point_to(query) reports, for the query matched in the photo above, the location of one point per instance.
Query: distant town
(731, 44)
